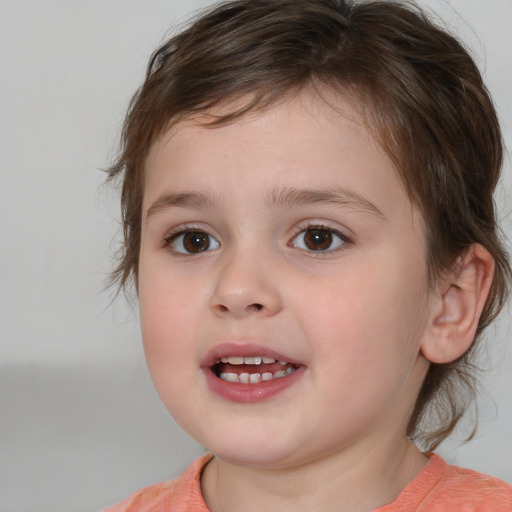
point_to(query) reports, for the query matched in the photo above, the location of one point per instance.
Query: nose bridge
(245, 284)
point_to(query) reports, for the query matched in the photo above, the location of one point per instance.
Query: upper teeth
(249, 360)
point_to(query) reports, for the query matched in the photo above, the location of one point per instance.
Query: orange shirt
(438, 488)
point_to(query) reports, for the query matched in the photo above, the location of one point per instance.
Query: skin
(356, 316)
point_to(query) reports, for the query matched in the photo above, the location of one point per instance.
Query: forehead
(307, 133)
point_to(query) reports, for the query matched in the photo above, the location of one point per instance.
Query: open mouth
(251, 369)
(249, 373)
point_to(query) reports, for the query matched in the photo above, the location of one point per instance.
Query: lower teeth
(254, 378)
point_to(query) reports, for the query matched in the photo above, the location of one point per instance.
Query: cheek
(369, 316)
(168, 348)
(166, 317)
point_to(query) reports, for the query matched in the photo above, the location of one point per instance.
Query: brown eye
(318, 240)
(193, 242)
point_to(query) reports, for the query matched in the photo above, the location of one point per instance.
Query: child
(309, 224)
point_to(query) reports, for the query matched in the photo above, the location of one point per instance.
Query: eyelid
(303, 227)
(175, 233)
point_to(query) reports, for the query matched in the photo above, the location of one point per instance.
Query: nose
(245, 286)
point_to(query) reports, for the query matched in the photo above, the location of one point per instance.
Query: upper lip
(243, 350)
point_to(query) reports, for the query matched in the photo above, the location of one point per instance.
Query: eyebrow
(277, 197)
(190, 200)
(288, 197)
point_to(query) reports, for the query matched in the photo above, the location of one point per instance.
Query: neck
(348, 482)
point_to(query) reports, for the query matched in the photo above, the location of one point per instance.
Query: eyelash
(343, 239)
(171, 238)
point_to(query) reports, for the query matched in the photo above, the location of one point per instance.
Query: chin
(255, 458)
(256, 447)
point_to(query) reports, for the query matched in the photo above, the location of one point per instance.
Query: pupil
(196, 242)
(318, 239)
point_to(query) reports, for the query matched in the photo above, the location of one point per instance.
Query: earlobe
(458, 305)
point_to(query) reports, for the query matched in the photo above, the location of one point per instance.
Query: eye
(319, 239)
(192, 242)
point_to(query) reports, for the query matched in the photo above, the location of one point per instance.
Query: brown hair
(420, 92)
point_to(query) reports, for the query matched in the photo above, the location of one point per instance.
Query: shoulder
(180, 495)
(472, 491)
(441, 487)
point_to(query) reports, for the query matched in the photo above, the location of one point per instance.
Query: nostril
(239, 308)
(250, 308)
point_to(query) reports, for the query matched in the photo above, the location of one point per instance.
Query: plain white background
(81, 426)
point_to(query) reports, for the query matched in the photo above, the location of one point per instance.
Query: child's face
(285, 235)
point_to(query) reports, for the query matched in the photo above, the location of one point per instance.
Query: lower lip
(250, 393)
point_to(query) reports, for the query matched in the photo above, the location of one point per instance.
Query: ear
(457, 306)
